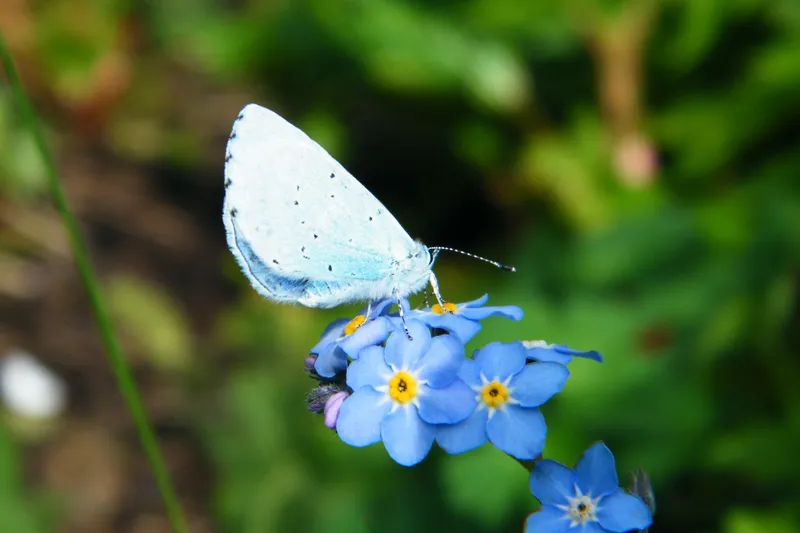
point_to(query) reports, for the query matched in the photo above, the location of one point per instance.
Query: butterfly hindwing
(302, 227)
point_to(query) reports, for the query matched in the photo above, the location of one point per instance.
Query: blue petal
(548, 355)
(458, 326)
(593, 355)
(621, 511)
(373, 332)
(360, 417)
(470, 373)
(383, 307)
(517, 431)
(547, 520)
(500, 361)
(448, 405)
(475, 303)
(407, 438)
(464, 436)
(552, 483)
(404, 354)
(441, 363)
(597, 471)
(330, 362)
(511, 312)
(331, 334)
(537, 383)
(368, 370)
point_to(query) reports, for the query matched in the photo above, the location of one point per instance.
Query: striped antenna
(437, 249)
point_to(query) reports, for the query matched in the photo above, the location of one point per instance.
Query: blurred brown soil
(156, 224)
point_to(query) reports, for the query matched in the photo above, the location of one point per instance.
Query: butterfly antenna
(437, 249)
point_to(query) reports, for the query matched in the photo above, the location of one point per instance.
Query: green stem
(119, 365)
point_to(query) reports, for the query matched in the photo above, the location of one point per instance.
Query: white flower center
(581, 508)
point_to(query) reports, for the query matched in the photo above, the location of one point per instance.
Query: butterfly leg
(402, 314)
(369, 309)
(435, 286)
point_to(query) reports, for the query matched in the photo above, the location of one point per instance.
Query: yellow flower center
(354, 324)
(440, 310)
(402, 387)
(494, 394)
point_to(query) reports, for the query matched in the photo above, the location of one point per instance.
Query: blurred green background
(637, 161)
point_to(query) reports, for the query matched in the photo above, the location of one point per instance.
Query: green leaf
(486, 485)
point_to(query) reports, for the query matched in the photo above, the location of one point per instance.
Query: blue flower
(588, 497)
(508, 393)
(401, 391)
(345, 338)
(463, 320)
(556, 353)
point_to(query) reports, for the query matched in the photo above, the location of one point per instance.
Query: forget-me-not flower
(557, 353)
(587, 499)
(345, 338)
(463, 320)
(402, 390)
(508, 393)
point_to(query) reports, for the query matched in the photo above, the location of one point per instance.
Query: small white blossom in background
(28, 388)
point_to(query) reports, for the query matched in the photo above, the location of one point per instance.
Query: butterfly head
(413, 270)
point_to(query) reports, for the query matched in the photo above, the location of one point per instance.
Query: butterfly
(304, 230)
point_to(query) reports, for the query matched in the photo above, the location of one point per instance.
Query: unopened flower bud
(332, 408)
(318, 398)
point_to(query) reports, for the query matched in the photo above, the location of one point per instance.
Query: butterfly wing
(296, 220)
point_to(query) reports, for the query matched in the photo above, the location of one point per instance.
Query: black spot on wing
(275, 261)
(232, 136)
(234, 211)
(330, 268)
(296, 202)
(228, 157)
(228, 182)
(333, 175)
(316, 236)
(370, 219)
(298, 187)
(331, 196)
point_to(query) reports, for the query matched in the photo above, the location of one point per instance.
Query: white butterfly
(304, 230)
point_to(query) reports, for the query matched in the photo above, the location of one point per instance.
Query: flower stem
(119, 365)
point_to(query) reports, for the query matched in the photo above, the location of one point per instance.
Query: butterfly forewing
(294, 216)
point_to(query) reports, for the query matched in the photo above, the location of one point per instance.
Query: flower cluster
(403, 378)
